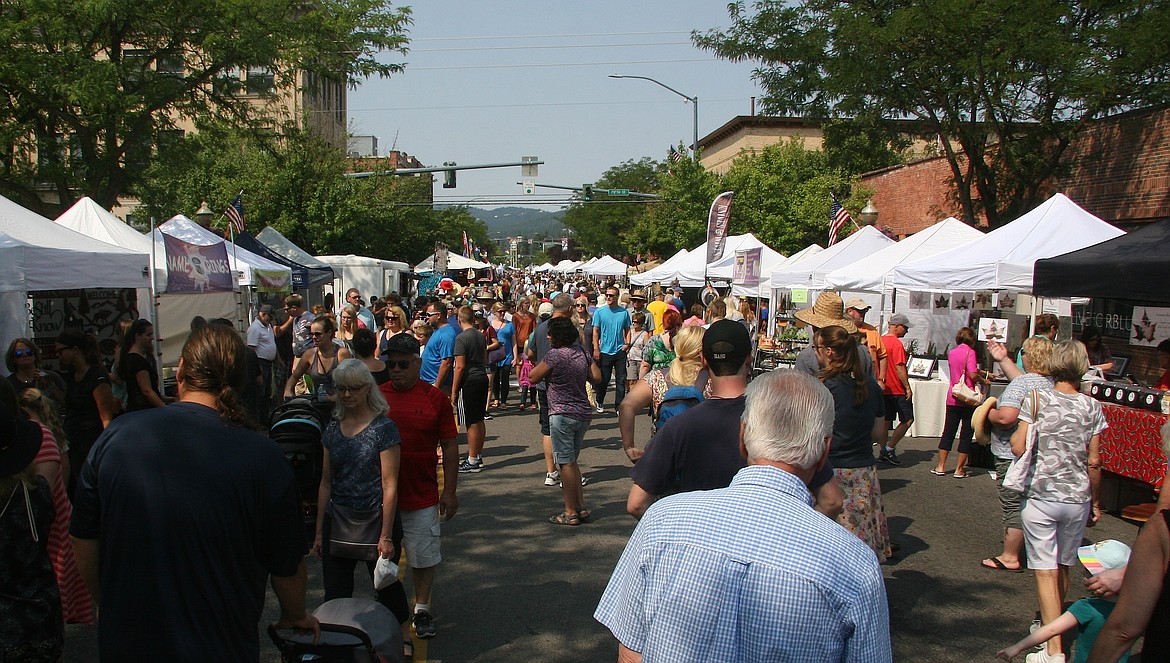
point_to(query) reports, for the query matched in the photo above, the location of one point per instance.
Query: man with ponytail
(181, 515)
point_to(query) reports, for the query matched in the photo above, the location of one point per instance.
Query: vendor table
(1132, 445)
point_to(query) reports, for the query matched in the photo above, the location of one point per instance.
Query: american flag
(235, 213)
(676, 155)
(838, 217)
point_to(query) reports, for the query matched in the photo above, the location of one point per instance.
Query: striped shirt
(747, 573)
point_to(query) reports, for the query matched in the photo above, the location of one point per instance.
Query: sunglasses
(350, 390)
(400, 364)
(580, 305)
(23, 353)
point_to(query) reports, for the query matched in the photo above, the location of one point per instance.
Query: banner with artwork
(271, 281)
(192, 268)
(746, 271)
(718, 220)
(1149, 326)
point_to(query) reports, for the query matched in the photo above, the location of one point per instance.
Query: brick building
(1119, 170)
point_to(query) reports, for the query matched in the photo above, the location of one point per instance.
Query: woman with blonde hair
(349, 324)
(393, 324)
(52, 462)
(650, 390)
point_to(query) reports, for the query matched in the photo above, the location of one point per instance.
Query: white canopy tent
(810, 272)
(873, 274)
(1004, 258)
(724, 268)
(454, 262)
(607, 266)
(690, 272)
(651, 275)
(173, 315)
(543, 268)
(246, 264)
(565, 266)
(37, 255)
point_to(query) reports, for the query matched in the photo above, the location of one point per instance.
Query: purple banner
(192, 268)
(747, 267)
(717, 222)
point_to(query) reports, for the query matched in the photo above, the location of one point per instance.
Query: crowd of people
(101, 476)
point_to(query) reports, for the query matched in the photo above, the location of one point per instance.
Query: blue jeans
(568, 434)
(609, 365)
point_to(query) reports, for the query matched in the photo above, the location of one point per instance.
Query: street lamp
(869, 215)
(694, 102)
(203, 216)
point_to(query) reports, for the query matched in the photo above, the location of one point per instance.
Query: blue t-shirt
(355, 463)
(505, 336)
(611, 324)
(440, 346)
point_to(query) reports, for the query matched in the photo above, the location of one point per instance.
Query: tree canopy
(90, 88)
(1005, 85)
(603, 225)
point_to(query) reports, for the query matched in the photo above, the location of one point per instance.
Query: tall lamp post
(694, 102)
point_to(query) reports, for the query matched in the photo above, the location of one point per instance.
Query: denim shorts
(567, 436)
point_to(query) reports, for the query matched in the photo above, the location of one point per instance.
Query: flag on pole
(235, 213)
(676, 155)
(717, 221)
(466, 246)
(838, 217)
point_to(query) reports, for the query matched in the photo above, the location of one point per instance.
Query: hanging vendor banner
(192, 268)
(747, 267)
(1149, 326)
(271, 281)
(717, 222)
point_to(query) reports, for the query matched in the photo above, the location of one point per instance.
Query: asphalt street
(514, 587)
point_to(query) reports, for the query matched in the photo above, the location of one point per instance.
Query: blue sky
(494, 80)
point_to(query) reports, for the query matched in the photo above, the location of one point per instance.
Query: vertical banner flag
(192, 268)
(747, 267)
(564, 243)
(466, 246)
(717, 222)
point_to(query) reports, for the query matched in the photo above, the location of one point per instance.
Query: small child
(1087, 615)
(527, 393)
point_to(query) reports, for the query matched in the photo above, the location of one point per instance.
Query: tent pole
(154, 304)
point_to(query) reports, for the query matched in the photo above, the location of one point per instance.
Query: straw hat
(980, 422)
(827, 311)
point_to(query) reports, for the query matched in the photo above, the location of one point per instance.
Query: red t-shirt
(895, 356)
(1164, 382)
(424, 416)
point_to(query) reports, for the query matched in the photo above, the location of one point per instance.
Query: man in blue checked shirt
(751, 572)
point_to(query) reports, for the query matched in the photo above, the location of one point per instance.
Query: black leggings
(956, 415)
(337, 575)
(502, 383)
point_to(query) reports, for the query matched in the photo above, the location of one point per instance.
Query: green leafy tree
(603, 225)
(1006, 85)
(679, 219)
(90, 88)
(783, 194)
(860, 144)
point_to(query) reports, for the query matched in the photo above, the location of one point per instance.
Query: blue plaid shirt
(747, 573)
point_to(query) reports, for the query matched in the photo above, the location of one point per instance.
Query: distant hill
(519, 221)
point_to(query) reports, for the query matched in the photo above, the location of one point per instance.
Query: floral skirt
(863, 514)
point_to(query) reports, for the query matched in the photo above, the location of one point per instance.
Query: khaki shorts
(421, 533)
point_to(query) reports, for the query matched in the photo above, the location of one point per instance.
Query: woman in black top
(89, 400)
(137, 369)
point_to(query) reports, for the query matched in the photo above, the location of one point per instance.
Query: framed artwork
(920, 367)
(993, 329)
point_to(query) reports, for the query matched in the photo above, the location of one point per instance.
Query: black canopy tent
(1134, 266)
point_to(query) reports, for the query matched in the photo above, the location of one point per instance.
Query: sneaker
(552, 478)
(600, 409)
(888, 456)
(467, 466)
(487, 417)
(1044, 657)
(584, 480)
(424, 626)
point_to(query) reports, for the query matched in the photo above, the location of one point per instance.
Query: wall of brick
(1118, 169)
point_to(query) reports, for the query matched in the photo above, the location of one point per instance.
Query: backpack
(679, 399)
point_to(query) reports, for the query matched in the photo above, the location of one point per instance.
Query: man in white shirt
(262, 340)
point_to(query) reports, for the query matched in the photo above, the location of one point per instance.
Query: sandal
(565, 519)
(998, 565)
(583, 515)
(938, 474)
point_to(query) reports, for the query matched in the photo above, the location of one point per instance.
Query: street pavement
(514, 587)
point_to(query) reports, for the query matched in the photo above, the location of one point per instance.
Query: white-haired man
(692, 545)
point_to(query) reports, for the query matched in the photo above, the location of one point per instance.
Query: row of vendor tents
(1057, 250)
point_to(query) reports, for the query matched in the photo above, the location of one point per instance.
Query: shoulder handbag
(966, 395)
(1018, 476)
(353, 534)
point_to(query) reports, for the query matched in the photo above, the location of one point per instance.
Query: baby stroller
(355, 630)
(296, 427)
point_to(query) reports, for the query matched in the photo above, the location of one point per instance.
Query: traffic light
(587, 191)
(449, 176)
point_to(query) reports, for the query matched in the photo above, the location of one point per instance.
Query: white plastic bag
(385, 573)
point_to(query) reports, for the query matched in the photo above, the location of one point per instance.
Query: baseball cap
(266, 308)
(545, 311)
(726, 340)
(1104, 555)
(404, 344)
(900, 319)
(857, 303)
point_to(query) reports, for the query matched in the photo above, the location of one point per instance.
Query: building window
(260, 80)
(170, 64)
(227, 82)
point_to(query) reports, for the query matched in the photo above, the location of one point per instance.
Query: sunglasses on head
(23, 353)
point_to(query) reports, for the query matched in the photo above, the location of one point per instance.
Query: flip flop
(961, 476)
(938, 474)
(998, 565)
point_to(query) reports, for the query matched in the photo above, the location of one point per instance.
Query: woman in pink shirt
(965, 367)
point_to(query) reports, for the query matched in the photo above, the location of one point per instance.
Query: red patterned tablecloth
(1132, 445)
